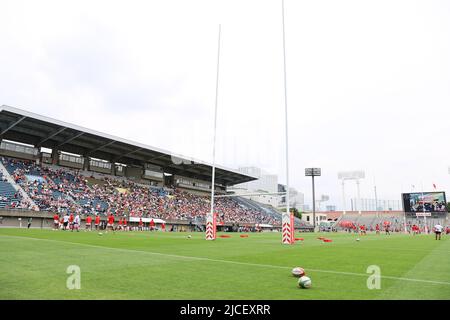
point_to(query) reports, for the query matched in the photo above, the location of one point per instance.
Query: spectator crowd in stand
(60, 190)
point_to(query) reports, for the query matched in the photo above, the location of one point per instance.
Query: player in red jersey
(56, 222)
(89, 223)
(97, 221)
(386, 229)
(362, 229)
(110, 222)
(140, 224)
(71, 218)
(377, 228)
(120, 224)
(125, 228)
(151, 225)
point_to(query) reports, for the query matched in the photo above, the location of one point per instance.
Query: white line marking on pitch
(231, 262)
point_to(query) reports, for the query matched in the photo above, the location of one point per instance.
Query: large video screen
(418, 202)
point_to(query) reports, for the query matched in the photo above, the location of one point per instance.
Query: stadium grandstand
(49, 166)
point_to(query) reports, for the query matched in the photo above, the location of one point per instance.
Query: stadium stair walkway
(16, 187)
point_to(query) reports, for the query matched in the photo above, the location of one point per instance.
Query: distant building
(305, 208)
(308, 217)
(266, 183)
(282, 197)
(296, 199)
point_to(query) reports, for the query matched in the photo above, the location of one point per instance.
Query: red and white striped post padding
(209, 231)
(286, 233)
(214, 225)
(292, 229)
(287, 229)
(211, 227)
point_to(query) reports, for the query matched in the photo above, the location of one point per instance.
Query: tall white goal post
(287, 220)
(287, 223)
(210, 217)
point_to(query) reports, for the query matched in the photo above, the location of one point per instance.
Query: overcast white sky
(368, 82)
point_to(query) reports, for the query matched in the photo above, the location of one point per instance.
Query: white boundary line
(233, 262)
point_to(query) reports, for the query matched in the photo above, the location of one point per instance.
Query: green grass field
(144, 265)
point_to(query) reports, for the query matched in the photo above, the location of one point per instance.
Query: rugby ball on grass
(298, 272)
(304, 282)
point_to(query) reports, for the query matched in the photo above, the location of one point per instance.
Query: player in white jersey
(76, 223)
(438, 231)
(65, 221)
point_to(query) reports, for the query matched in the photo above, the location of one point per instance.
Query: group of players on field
(72, 222)
(362, 229)
(437, 229)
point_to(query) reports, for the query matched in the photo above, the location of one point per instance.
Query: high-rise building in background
(296, 199)
(267, 183)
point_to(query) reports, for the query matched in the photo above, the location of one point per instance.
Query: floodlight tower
(376, 198)
(355, 176)
(313, 172)
(343, 196)
(358, 203)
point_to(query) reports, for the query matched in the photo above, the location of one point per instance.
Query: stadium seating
(57, 189)
(8, 196)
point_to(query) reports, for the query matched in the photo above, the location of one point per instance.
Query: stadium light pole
(210, 225)
(376, 197)
(358, 203)
(355, 176)
(313, 172)
(287, 228)
(343, 197)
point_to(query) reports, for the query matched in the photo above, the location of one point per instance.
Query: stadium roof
(41, 131)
